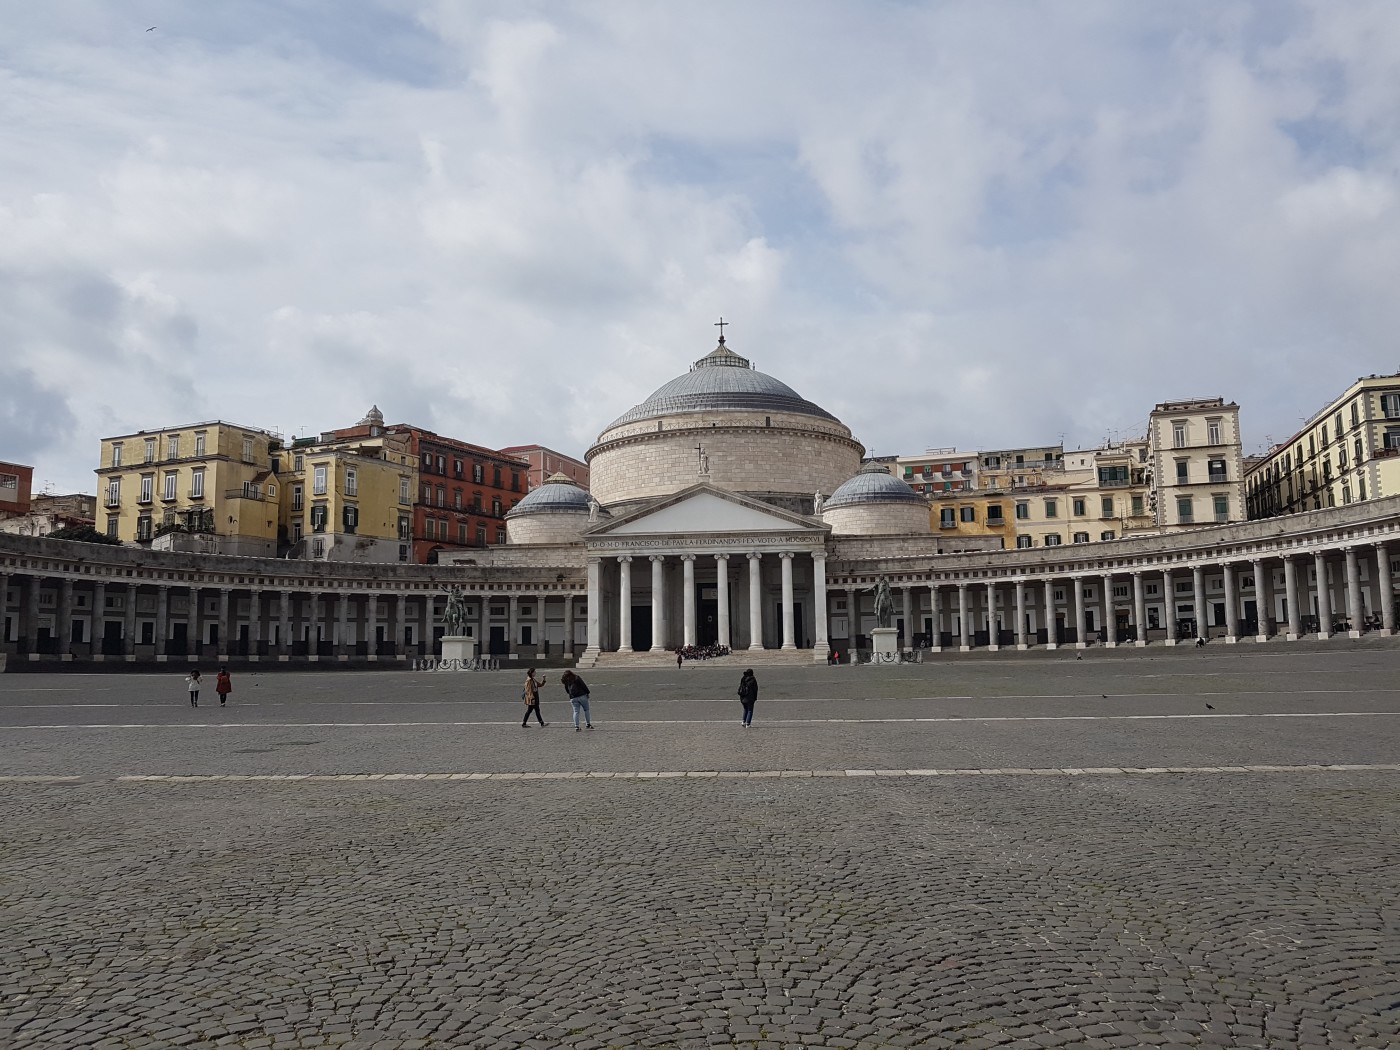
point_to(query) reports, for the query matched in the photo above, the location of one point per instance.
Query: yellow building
(208, 487)
(1084, 496)
(349, 499)
(1347, 453)
(972, 514)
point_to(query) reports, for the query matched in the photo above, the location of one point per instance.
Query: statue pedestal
(884, 645)
(458, 647)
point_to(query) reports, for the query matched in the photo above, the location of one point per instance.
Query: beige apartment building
(1088, 496)
(1197, 463)
(1348, 452)
(207, 487)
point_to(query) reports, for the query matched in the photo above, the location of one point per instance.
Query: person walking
(531, 695)
(748, 695)
(192, 682)
(577, 689)
(223, 685)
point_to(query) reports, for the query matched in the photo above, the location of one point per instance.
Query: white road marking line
(1218, 715)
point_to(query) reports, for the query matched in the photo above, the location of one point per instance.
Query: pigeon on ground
(1210, 707)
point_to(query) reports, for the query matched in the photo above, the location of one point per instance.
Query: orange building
(16, 485)
(545, 462)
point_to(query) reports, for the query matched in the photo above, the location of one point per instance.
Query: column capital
(687, 557)
(819, 555)
(754, 555)
(624, 557)
(787, 554)
(1137, 573)
(656, 557)
(721, 557)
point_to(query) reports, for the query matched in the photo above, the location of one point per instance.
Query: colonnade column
(853, 604)
(1290, 597)
(1169, 605)
(30, 608)
(789, 635)
(722, 598)
(992, 640)
(1139, 610)
(512, 622)
(1263, 602)
(313, 626)
(1232, 605)
(935, 597)
(401, 627)
(1080, 628)
(595, 593)
(342, 613)
(658, 620)
(1324, 599)
(1354, 606)
(255, 622)
(1020, 614)
(1051, 629)
(223, 618)
(1110, 621)
(964, 624)
(1198, 585)
(688, 598)
(284, 630)
(908, 616)
(162, 619)
(755, 602)
(568, 625)
(196, 621)
(540, 644)
(63, 627)
(98, 618)
(821, 644)
(1387, 595)
(624, 598)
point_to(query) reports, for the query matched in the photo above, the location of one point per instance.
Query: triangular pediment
(703, 510)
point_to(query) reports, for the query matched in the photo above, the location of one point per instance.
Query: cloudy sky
(963, 223)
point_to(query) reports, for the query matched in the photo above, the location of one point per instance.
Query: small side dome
(557, 494)
(872, 484)
(373, 418)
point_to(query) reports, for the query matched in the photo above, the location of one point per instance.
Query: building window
(456, 499)
(352, 483)
(441, 496)
(318, 480)
(1341, 458)
(197, 484)
(1178, 435)
(148, 482)
(1181, 472)
(1052, 508)
(1346, 492)
(1081, 537)
(1213, 432)
(1325, 441)
(1217, 471)
(1137, 506)
(318, 518)
(477, 473)
(1390, 406)
(967, 513)
(994, 514)
(114, 491)
(430, 528)
(1023, 511)
(298, 497)
(143, 527)
(403, 490)
(117, 452)
(172, 447)
(168, 491)
(496, 506)
(457, 467)
(150, 450)
(112, 523)
(481, 535)
(500, 535)
(462, 532)
(1052, 540)
(1360, 455)
(1222, 508)
(318, 548)
(247, 450)
(1079, 510)
(1106, 507)
(405, 527)
(351, 518)
(442, 464)
(198, 445)
(1355, 415)
(1022, 542)
(1184, 513)
(1107, 534)
(946, 518)
(427, 461)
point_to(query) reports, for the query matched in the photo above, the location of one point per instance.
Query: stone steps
(740, 659)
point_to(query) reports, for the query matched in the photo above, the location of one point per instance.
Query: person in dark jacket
(577, 689)
(748, 695)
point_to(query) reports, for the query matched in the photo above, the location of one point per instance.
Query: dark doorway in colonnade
(641, 628)
(1251, 617)
(498, 645)
(707, 620)
(112, 638)
(179, 641)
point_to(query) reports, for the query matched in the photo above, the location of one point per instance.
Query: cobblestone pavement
(997, 907)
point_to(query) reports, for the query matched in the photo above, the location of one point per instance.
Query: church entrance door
(707, 622)
(641, 628)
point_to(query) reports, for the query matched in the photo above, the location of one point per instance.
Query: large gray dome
(721, 380)
(557, 494)
(872, 484)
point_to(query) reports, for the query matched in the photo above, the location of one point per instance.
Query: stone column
(1198, 584)
(30, 629)
(595, 602)
(63, 626)
(1383, 583)
(688, 598)
(313, 625)
(1354, 606)
(853, 604)
(255, 623)
(342, 612)
(196, 621)
(1020, 614)
(284, 628)
(789, 637)
(1139, 609)
(1263, 602)
(162, 620)
(624, 590)
(1169, 605)
(1324, 599)
(992, 643)
(1232, 605)
(935, 601)
(658, 599)
(512, 623)
(4, 605)
(1290, 596)
(541, 646)
(568, 625)
(964, 622)
(1051, 630)
(821, 644)
(755, 601)
(401, 627)
(908, 616)
(99, 615)
(224, 649)
(722, 597)
(1079, 627)
(1110, 622)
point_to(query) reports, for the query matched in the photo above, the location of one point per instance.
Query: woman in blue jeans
(577, 689)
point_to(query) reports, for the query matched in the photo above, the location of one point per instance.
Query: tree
(83, 534)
